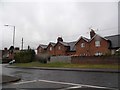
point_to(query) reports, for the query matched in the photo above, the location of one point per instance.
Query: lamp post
(13, 33)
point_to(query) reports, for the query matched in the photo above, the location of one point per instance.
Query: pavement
(69, 69)
(9, 79)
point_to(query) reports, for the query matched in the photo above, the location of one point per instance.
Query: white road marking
(58, 82)
(23, 82)
(70, 88)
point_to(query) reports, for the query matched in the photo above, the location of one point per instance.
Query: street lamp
(13, 33)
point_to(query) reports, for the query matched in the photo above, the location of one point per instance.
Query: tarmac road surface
(33, 79)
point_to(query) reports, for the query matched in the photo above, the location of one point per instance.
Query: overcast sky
(42, 22)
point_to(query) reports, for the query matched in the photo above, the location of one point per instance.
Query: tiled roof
(70, 44)
(64, 43)
(53, 44)
(98, 36)
(43, 46)
(115, 40)
(86, 39)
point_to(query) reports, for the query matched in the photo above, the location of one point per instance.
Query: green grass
(68, 65)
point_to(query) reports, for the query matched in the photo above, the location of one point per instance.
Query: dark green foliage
(117, 53)
(43, 58)
(25, 56)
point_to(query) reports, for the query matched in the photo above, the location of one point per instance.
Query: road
(61, 80)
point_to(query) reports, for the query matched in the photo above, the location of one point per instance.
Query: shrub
(117, 52)
(25, 56)
(43, 58)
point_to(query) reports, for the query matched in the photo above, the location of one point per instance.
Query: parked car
(11, 62)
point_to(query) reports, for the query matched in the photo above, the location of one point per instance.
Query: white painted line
(74, 87)
(23, 82)
(58, 82)
(99, 87)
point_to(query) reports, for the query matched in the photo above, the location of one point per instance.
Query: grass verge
(68, 65)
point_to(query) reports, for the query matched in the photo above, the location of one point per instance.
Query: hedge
(25, 56)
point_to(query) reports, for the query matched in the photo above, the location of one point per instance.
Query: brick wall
(61, 51)
(52, 51)
(40, 50)
(82, 51)
(90, 48)
(69, 53)
(95, 60)
(103, 48)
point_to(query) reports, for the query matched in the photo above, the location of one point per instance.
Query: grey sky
(43, 22)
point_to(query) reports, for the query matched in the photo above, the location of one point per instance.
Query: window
(50, 48)
(40, 49)
(98, 54)
(82, 45)
(97, 43)
(59, 48)
(112, 52)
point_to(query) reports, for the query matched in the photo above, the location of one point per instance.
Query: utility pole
(22, 44)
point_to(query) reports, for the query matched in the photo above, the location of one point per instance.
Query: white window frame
(97, 43)
(82, 45)
(50, 48)
(98, 53)
(40, 49)
(59, 47)
(112, 52)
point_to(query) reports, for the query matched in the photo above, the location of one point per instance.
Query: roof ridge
(113, 35)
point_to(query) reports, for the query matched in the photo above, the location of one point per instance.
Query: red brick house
(99, 45)
(60, 47)
(64, 48)
(41, 49)
(96, 45)
(50, 48)
(82, 47)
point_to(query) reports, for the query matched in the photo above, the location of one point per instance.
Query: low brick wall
(95, 60)
(6, 60)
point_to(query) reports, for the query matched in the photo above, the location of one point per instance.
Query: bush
(43, 58)
(25, 56)
(117, 53)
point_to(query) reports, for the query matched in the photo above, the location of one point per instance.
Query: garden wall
(86, 59)
(65, 59)
(95, 60)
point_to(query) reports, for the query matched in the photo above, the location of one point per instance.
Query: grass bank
(68, 65)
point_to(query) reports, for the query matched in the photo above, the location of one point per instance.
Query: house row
(8, 53)
(96, 45)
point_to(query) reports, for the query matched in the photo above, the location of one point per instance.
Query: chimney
(59, 39)
(5, 48)
(92, 33)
